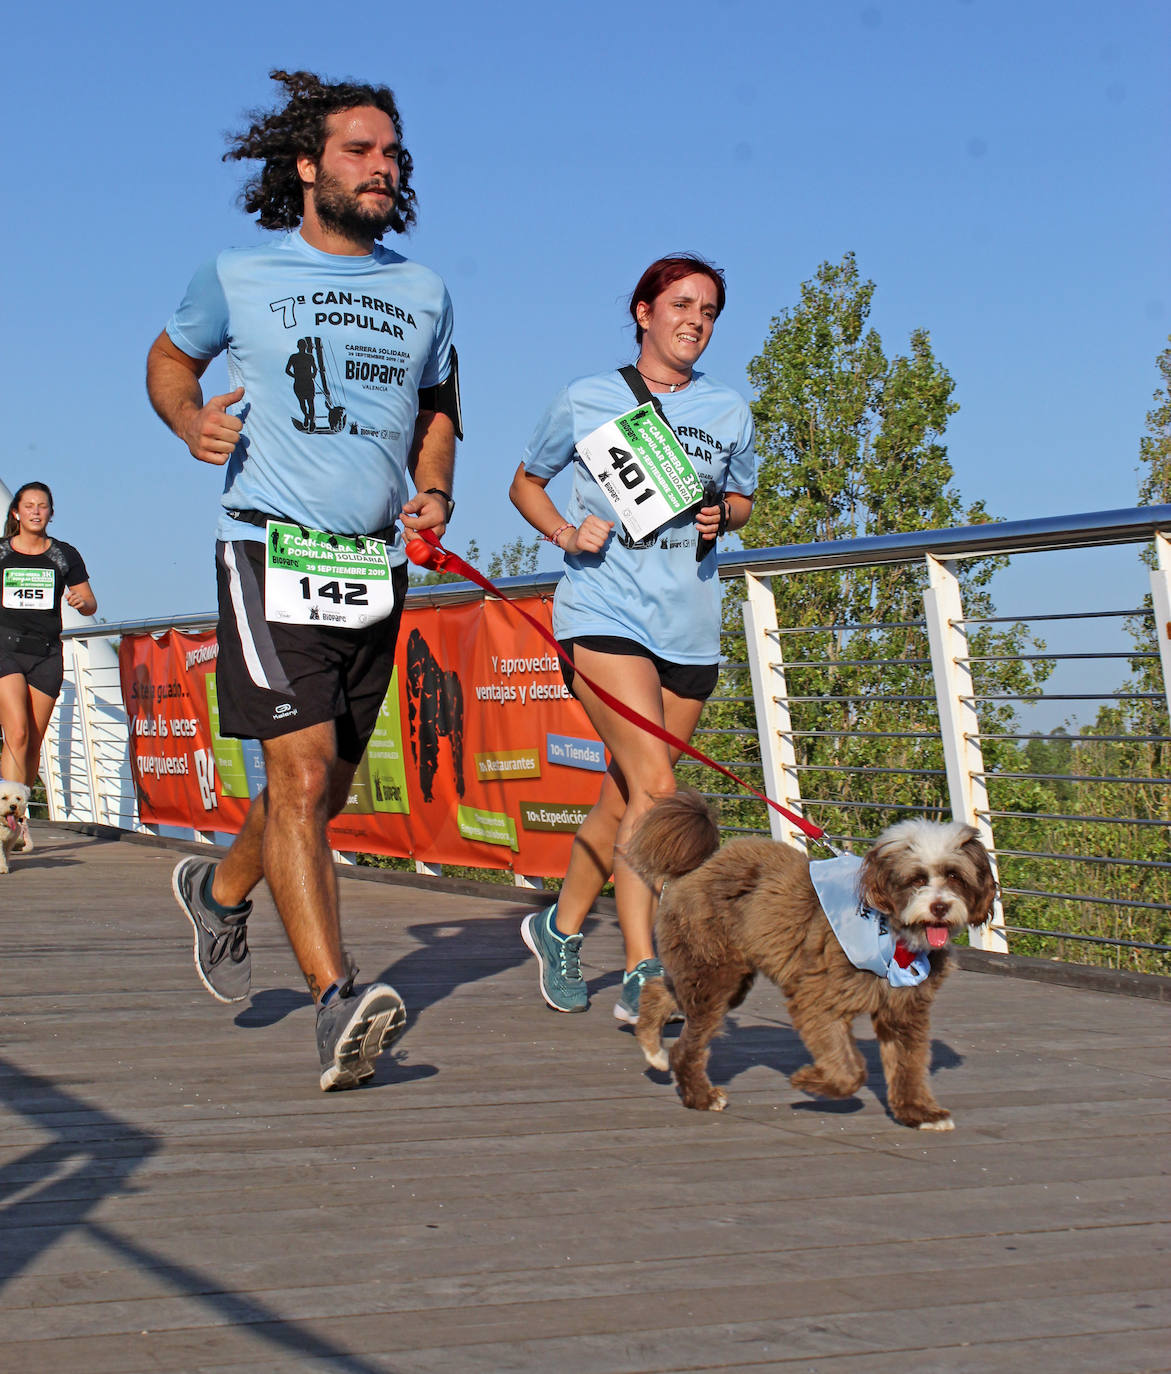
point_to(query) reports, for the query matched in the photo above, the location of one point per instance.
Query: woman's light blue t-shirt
(658, 596)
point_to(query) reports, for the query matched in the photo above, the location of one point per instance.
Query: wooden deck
(514, 1192)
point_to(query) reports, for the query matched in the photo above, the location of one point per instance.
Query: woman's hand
(589, 537)
(708, 520)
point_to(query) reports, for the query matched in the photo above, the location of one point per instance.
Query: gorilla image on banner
(435, 706)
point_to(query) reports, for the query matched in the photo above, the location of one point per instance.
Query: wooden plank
(516, 1192)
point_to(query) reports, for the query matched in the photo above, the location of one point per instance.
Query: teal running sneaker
(626, 1007)
(562, 985)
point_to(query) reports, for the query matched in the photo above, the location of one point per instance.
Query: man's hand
(210, 432)
(424, 511)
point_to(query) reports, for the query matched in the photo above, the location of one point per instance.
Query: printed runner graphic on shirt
(317, 377)
(310, 378)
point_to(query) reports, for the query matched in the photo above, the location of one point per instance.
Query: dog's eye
(919, 878)
(952, 876)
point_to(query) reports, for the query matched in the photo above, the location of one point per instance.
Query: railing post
(79, 652)
(770, 697)
(1161, 603)
(959, 724)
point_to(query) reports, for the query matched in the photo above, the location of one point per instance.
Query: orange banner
(480, 755)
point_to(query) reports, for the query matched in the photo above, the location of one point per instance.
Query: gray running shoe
(220, 947)
(626, 1007)
(353, 1028)
(559, 956)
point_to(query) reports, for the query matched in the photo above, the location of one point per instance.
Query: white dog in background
(13, 812)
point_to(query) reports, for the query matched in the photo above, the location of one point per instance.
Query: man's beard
(342, 212)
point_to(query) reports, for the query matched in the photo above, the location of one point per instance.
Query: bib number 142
(340, 593)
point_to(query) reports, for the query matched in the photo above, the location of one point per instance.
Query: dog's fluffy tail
(675, 836)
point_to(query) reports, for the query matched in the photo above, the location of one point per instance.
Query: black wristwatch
(447, 496)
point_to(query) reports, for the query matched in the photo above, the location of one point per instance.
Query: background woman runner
(642, 620)
(35, 572)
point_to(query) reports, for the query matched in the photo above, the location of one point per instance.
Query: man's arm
(172, 383)
(431, 463)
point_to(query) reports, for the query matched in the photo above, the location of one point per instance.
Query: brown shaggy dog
(727, 913)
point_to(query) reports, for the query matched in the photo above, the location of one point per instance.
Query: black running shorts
(694, 680)
(273, 679)
(45, 672)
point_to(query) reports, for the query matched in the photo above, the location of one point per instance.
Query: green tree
(1128, 740)
(1154, 488)
(850, 443)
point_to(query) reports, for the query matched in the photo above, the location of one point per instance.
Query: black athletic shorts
(43, 671)
(273, 679)
(694, 680)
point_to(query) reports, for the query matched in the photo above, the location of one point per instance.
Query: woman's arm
(80, 596)
(529, 496)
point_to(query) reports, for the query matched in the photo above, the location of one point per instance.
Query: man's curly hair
(279, 138)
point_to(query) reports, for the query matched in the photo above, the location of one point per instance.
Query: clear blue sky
(1000, 167)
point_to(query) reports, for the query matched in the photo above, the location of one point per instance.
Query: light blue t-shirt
(331, 352)
(658, 596)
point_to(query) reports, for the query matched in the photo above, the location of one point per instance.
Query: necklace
(674, 386)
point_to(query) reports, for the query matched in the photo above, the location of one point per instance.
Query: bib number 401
(630, 474)
(340, 593)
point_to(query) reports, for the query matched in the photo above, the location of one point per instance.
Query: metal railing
(838, 726)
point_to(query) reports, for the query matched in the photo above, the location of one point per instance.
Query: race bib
(27, 589)
(316, 578)
(642, 468)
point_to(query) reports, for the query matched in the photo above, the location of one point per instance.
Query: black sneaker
(353, 1028)
(220, 948)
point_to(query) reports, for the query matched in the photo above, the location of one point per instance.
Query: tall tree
(1129, 740)
(850, 443)
(1154, 488)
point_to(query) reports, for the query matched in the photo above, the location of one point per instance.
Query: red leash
(426, 550)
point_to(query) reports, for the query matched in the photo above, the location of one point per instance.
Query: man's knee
(300, 781)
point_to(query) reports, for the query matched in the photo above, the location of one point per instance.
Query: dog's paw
(657, 1059)
(713, 1100)
(942, 1123)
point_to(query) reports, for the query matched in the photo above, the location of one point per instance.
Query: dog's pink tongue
(937, 936)
(10, 821)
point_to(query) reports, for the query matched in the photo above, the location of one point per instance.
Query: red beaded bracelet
(560, 530)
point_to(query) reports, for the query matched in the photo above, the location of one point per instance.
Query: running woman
(639, 616)
(36, 573)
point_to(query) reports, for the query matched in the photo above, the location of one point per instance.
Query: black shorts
(43, 671)
(273, 679)
(694, 680)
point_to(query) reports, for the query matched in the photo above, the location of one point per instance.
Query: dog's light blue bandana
(863, 933)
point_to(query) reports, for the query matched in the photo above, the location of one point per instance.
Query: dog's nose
(939, 908)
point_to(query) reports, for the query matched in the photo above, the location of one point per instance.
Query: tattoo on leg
(314, 987)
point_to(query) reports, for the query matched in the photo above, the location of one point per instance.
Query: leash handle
(425, 550)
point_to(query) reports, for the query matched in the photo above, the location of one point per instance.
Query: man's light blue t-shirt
(658, 596)
(331, 352)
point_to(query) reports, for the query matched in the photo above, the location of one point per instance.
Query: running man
(310, 563)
